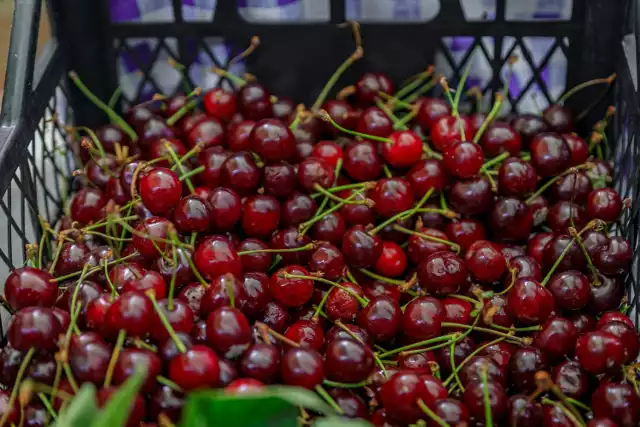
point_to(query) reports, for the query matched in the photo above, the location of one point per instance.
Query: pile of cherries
(404, 260)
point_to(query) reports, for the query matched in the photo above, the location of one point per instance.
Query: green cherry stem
(191, 173)
(363, 302)
(335, 198)
(422, 350)
(236, 80)
(335, 179)
(356, 186)
(470, 356)
(122, 335)
(323, 393)
(335, 384)
(495, 161)
(385, 279)
(488, 415)
(459, 90)
(307, 247)
(402, 123)
(190, 105)
(419, 344)
(176, 160)
(413, 85)
(452, 360)
(550, 182)
(172, 333)
(394, 102)
(94, 139)
(327, 118)
(16, 387)
(385, 109)
(578, 88)
(114, 98)
(113, 116)
(432, 415)
(592, 268)
(355, 56)
(422, 90)
(454, 246)
(487, 330)
(304, 227)
(404, 214)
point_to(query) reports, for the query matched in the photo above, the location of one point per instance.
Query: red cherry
(219, 103)
(404, 150)
(152, 228)
(238, 135)
(34, 327)
(87, 204)
(442, 273)
(307, 333)
(361, 161)
(196, 368)
(215, 256)
(361, 249)
(131, 359)
(557, 338)
(28, 286)
(600, 352)
(463, 159)
(392, 196)
(342, 304)
(160, 190)
(499, 138)
(516, 178)
(149, 280)
(619, 402)
(627, 335)
(485, 262)
(240, 173)
(550, 154)
(528, 126)
(471, 196)
(373, 121)
(272, 140)
(511, 220)
(131, 311)
(302, 367)
(228, 332)
(465, 231)
(369, 86)
(292, 292)
(578, 148)
(571, 290)
(392, 261)
(529, 302)
(314, 171)
(328, 151)
(604, 204)
(347, 361)
(427, 174)
(261, 215)
(212, 159)
(430, 110)
(254, 101)
(261, 362)
(446, 131)
(422, 318)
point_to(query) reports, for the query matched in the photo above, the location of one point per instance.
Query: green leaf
(302, 397)
(211, 408)
(340, 422)
(81, 411)
(116, 411)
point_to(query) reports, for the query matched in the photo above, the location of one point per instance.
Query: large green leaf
(81, 411)
(302, 397)
(116, 411)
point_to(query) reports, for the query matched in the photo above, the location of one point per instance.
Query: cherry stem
(94, 139)
(422, 350)
(153, 238)
(578, 404)
(404, 214)
(589, 226)
(332, 196)
(402, 123)
(335, 384)
(565, 411)
(470, 356)
(172, 333)
(514, 277)
(432, 415)
(176, 161)
(363, 302)
(550, 182)
(534, 328)
(307, 247)
(228, 283)
(14, 392)
(578, 88)
(413, 85)
(385, 279)
(47, 405)
(237, 81)
(446, 213)
(420, 344)
(167, 382)
(466, 298)
(323, 393)
(304, 227)
(356, 186)
(459, 90)
(335, 180)
(319, 307)
(188, 106)
(356, 55)
(396, 102)
(113, 116)
(488, 415)
(490, 117)
(452, 360)
(422, 90)
(114, 97)
(327, 118)
(191, 173)
(592, 268)
(454, 246)
(264, 328)
(487, 330)
(72, 381)
(122, 335)
(385, 109)
(114, 291)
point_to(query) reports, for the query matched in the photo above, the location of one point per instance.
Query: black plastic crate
(294, 59)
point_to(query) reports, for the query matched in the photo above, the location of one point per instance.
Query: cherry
(457, 311)
(151, 235)
(96, 311)
(442, 273)
(255, 294)
(571, 290)
(244, 386)
(272, 140)
(351, 404)
(463, 159)
(342, 113)
(307, 333)
(179, 315)
(229, 332)
(420, 248)
(259, 261)
(328, 260)
(539, 208)
(550, 154)
(42, 369)
(215, 256)
(472, 196)
(131, 359)
(297, 209)
(154, 128)
(392, 261)
(314, 172)
(196, 368)
(583, 322)
(404, 150)
(219, 103)
(601, 422)
(254, 101)
(474, 399)
(374, 121)
(500, 353)
(627, 335)
(87, 204)
(400, 393)
(158, 148)
(302, 367)
(607, 296)
(619, 402)
(511, 220)
(357, 214)
(451, 411)
(571, 379)
(593, 240)
(573, 259)
(465, 231)
(238, 135)
(213, 159)
(276, 316)
(471, 371)
(261, 362)
(169, 349)
(34, 327)
(445, 131)
(279, 179)
(430, 110)
(167, 401)
(160, 190)
(361, 249)
(378, 288)
(485, 262)
(421, 362)
(132, 312)
(361, 161)
(341, 304)
(330, 228)
(116, 191)
(557, 338)
(28, 286)
(292, 291)
(240, 173)
(427, 174)
(495, 311)
(525, 266)
(392, 196)
(98, 171)
(524, 363)
(600, 352)
(561, 215)
(192, 214)
(382, 318)
(422, 318)
(261, 215)
(529, 302)
(149, 280)
(328, 151)
(613, 316)
(516, 178)
(182, 270)
(574, 187)
(604, 204)
(347, 361)
(338, 333)
(499, 138)
(528, 126)
(71, 258)
(89, 357)
(369, 86)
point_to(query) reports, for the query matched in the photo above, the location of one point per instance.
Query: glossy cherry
(404, 150)
(361, 161)
(516, 178)
(599, 352)
(442, 273)
(215, 256)
(529, 302)
(292, 291)
(616, 401)
(382, 318)
(196, 368)
(229, 332)
(422, 318)
(550, 154)
(28, 286)
(34, 327)
(240, 173)
(347, 361)
(485, 262)
(463, 159)
(571, 290)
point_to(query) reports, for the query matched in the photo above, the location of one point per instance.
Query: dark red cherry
(240, 173)
(215, 256)
(521, 412)
(71, 258)
(279, 179)
(212, 159)
(422, 318)
(314, 172)
(525, 266)
(430, 110)
(369, 86)
(330, 228)
(255, 294)
(604, 204)
(238, 135)
(87, 204)
(472, 371)
(373, 121)
(536, 245)
(192, 214)
(197, 368)
(571, 290)
(181, 269)
(258, 261)
(465, 231)
(302, 367)
(131, 359)
(360, 214)
(457, 311)
(272, 140)
(225, 209)
(218, 293)
(539, 207)
(445, 131)
(261, 362)
(616, 401)
(516, 178)
(420, 362)
(442, 273)
(583, 322)
(392, 196)
(600, 352)
(361, 161)
(559, 118)
(342, 304)
(471, 196)
(360, 249)
(420, 248)
(299, 207)
(150, 280)
(328, 151)
(573, 259)
(500, 353)
(601, 422)
(571, 379)
(594, 240)
(578, 148)
(427, 174)
(614, 316)
(550, 154)
(132, 312)
(261, 215)
(404, 150)
(607, 296)
(351, 404)
(463, 159)
(338, 333)
(167, 401)
(160, 190)
(229, 332)
(328, 260)
(307, 333)
(627, 335)
(474, 399)
(162, 147)
(485, 262)
(561, 215)
(117, 192)
(524, 363)
(28, 286)
(529, 302)
(288, 239)
(98, 171)
(499, 138)
(511, 220)
(382, 318)
(179, 315)
(574, 187)
(276, 316)
(292, 292)
(254, 102)
(342, 113)
(34, 327)
(451, 411)
(528, 126)
(557, 338)
(347, 361)
(400, 393)
(89, 358)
